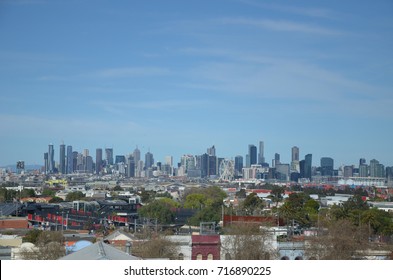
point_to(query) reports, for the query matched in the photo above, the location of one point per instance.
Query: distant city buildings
(210, 166)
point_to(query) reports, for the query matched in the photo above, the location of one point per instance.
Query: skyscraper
(261, 155)
(295, 153)
(252, 152)
(62, 159)
(149, 160)
(307, 166)
(238, 165)
(109, 156)
(98, 160)
(211, 151)
(327, 166)
(70, 164)
(51, 159)
(130, 166)
(46, 160)
(137, 154)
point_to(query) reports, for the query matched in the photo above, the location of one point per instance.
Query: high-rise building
(238, 165)
(149, 160)
(252, 152)
(169, 160)
(348, 171)
(120, 159)
(46, 160)
(295, 153)
(308, 166)
(203, 164)
(70, 165)
(109, 156)
(98, 160)
(130, 166)
(276, 160)
(212, 166)
(137, 154)
(88, 164)
(261, 155)
(211, 151)
(377, 170)
(62, 166)
(363, 170)
(327, 166)
(51, 159)
(362, 161)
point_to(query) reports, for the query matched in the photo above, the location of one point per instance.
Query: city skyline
(178, 77)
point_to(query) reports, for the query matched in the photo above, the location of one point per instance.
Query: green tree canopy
(78, 195)
(158, 209)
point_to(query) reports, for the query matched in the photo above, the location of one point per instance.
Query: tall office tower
(75, 155)
(98, 160)
(86, 152)
(295, 153)
(248, 165)
(187, 162)
(137, 154)
(261, 155)
(327, 166)
(363, 170)
(130, 166)
(62, 159)
(238, 165)
(109, 156)
(149, 160)
(211, 151)
(362, 161)
(169, 160)
(276, 159)
(120, 159)
(295, 159)
(307, 166)
(212, 166)
(204, 165)
(46, 163)
(252, 152)
(373, 167)
(348, 171)
(70, 165)
(302, 165)
(88, 164)
(51, 159)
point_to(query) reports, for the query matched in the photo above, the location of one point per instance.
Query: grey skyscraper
(295, 154)
(98, 160)
(70, 161)
(238, 165)
(149, 160)
(109, 156)
(261, 155)
(252, 152)
(46, 163)
(62, 159)
(307, 166)
(137, 155)
(211, 151)
(51, 159)
(130, 166)
(327, 166)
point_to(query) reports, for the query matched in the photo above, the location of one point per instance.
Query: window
(199, 257)
(209, 256)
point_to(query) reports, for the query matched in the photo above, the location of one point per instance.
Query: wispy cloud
(298, 10)
(281, 25)
(132, 72)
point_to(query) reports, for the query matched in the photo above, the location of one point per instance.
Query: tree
(158, 209)
(49, 246)
(78, 195)
(276, 194)
(157, 247)
(248, 242)
(48, 192)
(252, 203)
(339, 240)
(56, 199)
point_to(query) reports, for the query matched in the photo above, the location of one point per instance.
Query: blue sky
(180, 76)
